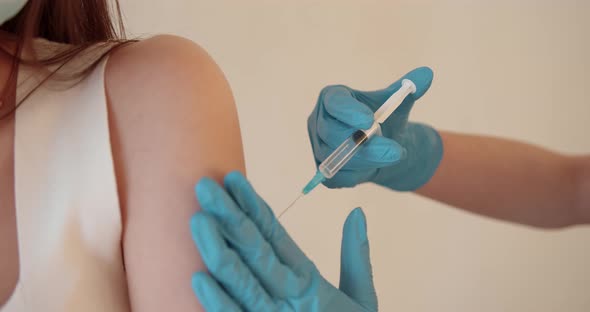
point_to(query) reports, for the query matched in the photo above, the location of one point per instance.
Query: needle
(290, 205)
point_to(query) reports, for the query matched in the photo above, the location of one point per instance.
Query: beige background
(511, 68)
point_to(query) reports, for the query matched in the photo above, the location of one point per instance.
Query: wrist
(424, 151)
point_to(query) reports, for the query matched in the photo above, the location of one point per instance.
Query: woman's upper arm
(173, 121)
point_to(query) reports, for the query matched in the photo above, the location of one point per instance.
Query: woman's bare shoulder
(164, 90)
(164, 63)
(173, 120)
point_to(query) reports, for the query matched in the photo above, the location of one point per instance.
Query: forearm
(512, 181)
(583, 170)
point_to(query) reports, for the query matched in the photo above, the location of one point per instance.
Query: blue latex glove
(255, 266)
(403, 159)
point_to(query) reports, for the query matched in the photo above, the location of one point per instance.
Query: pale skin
(173, 120)
(164, 141)
(512, 181)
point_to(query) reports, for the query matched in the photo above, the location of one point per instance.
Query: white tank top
(68, 215)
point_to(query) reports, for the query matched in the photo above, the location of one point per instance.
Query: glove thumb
(356, 276)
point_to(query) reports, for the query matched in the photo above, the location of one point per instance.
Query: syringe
(331, 165)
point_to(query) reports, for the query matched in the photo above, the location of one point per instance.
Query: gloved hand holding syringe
(268, 270)
(344, 153)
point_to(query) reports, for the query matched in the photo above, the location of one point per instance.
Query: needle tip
(290, 205)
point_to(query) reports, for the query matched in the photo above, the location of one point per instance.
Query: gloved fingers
(225, 264)
(266, 222)
(356, 274)
(421, 77)
(380, 149)
(211, 296)
(244, 237)
(378, 152)
(340, 104)
(332, 131)
(350, 178)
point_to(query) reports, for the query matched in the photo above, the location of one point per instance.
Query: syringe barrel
(331, 165)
